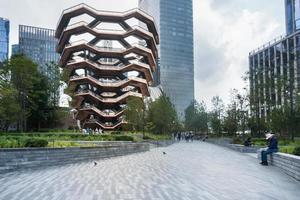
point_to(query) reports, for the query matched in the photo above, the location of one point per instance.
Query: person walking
(272, 148)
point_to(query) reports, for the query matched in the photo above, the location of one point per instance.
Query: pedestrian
(272, 148)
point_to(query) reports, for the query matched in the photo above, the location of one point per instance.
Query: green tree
(54, 83)
(23, 74)
(9, 107)
(36, 93)
(134, 114)
(236, 113)
(162, 116)
(231, 119)
(242, 103)
(279, 120)
(196, 117)
(216, 114)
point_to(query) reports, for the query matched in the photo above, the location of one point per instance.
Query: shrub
(116, 133)
(297, 151)
(124, 138)
(34, 142)
(287, 149)
(284, 142)
(146, 137)
(237, 140)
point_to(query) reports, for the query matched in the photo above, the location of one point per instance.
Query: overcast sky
(225, 31)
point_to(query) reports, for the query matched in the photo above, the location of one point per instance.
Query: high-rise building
(275, 68)
(174, 20)
(292, 16)
(275, 75)
(39, 44)
(4, 39)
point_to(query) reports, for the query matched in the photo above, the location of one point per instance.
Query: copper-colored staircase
(101, 89)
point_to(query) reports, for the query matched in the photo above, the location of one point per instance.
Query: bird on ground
(95, 163)
(164, 153)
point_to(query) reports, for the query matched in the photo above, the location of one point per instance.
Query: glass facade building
(174, 19)
(39, 44)
(275, 68)
(275, 75)
(292, 16)
(4, 39)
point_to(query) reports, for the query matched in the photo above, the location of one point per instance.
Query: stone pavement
(188, 171)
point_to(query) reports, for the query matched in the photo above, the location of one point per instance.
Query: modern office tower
(106, 66)
(174, 20)
(275, 68)
(39, 44)
(292, 16)
(4, 39)
(275, 75)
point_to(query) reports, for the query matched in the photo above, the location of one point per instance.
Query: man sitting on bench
(272, 148)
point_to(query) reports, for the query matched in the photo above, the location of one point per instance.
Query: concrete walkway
(188, 171)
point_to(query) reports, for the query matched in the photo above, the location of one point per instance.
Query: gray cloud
(211, 61)
(225, 32)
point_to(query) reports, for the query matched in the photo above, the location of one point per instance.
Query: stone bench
(242, 148)
(290, 164)
(236, 147)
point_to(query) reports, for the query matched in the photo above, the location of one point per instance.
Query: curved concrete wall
(14, 159)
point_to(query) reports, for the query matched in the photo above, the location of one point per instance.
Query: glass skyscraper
(4, 39)
(174, 19)
(292, 16)
(39, 44)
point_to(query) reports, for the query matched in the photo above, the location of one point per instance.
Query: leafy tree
(196, 117)
(236, 113)
(53, 83)
(134, 113)
(216, 114)
(242, 102)
(36, 94)
(279, 120)
(231, 119)
(9, 107)
(162, 116)
(23, 73)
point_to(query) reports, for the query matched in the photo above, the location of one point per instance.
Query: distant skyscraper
(4, 39)
(292, 16)
(39, 44)
(174, 20)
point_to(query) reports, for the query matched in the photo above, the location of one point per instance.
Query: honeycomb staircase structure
(103, 77)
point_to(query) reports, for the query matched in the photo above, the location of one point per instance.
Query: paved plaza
(187, 171)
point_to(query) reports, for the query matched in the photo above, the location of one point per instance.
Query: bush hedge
(124, 138)
(297, 151)
(146, 137)
(35, 142)
(237, 140)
